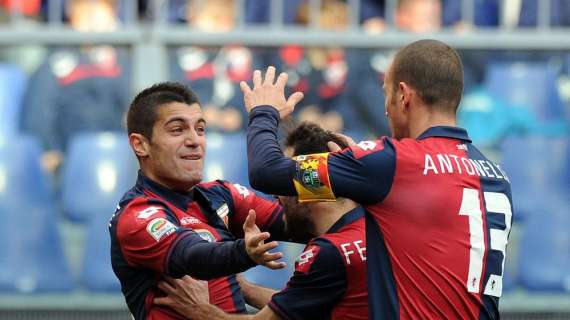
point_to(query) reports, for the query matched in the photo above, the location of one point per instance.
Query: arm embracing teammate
(438, 212)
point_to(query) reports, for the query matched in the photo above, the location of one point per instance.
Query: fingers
(333, 147)
(282, 80)
(249, 223)
(269, 76)
(256, 239)
(267, 246)
(294, 99)
(245, 88)
(349, 141)
(164, 301)
(256, 79)
(166, 288)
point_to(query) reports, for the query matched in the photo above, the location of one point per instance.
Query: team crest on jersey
(159, 228)
(312, 179)
(306, 259)
(206, 235)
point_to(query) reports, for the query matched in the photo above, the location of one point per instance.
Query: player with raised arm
(330, 275)
(438, 211)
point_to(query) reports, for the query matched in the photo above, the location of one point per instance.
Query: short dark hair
(432, 68)
(308, 138)
(143, 110)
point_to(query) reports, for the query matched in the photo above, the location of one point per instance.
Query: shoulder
(319, 255)
(145, 213)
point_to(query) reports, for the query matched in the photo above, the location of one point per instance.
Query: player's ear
(405, 94)
(140, 144)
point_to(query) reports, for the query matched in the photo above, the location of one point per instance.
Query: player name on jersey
(451, 163)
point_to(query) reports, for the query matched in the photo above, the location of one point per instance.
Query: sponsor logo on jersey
(148, 212)
(159, 228)
(306, 259)
(189, 220)
(206, 235)
(242, 190)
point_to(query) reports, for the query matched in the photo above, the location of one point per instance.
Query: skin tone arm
(255, 295)
(189, 297)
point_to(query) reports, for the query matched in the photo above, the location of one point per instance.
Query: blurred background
(69, 68)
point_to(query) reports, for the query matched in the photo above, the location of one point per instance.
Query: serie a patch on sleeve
(312, 178)
(159, 228)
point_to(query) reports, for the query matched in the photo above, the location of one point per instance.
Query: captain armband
(312, 178)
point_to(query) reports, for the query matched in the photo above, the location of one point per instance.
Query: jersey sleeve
(239, 200)
(317, 285)
(146, 232)
(150, 238)
(363, 173)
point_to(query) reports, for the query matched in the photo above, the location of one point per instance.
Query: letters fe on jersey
(312, 178)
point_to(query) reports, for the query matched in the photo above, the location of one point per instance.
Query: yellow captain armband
(312, 178)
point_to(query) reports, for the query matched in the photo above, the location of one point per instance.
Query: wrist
(245, 257)
(264, 109)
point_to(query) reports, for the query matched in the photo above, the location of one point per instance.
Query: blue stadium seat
(98, 170)
(530, 84)
(97, 274)
(12, 85)
(32, 258)
(226, 158)
(536, 167)
(276, 279)
(544, 252)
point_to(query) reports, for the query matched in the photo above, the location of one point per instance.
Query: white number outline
(495, 202)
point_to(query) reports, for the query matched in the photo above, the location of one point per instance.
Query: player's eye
(177, 130)
(201, 129)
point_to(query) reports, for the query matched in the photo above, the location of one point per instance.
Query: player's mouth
(192, 156)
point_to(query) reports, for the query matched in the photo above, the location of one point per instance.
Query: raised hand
(256, 247)
(269, 92)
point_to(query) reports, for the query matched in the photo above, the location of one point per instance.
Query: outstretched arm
(362, 172)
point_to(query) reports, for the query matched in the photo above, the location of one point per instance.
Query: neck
(166, 183)
(426, 120)
(325, 214)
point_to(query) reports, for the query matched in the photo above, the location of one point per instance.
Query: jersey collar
(446, 132)
(178, 198)
(347, 218)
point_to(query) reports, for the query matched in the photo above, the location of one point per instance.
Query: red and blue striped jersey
(330, 275)
(155, 230)
(438, 215)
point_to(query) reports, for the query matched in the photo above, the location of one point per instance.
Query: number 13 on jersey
(497, 203)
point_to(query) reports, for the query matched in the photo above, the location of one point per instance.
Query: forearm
(205, 260)
(255, 295)
(269, 170)
(211, 312)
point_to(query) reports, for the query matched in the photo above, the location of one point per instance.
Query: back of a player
(441, 233)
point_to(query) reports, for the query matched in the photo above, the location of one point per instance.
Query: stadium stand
(225, 158)
(99, 168)
(32, 260)
(12, 85)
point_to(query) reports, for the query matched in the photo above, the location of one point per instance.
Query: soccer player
(330, 275)
(171, 224)
(438, 212)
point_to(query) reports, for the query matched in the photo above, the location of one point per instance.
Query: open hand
(183, 295)
(256, 247)
(268, 93)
